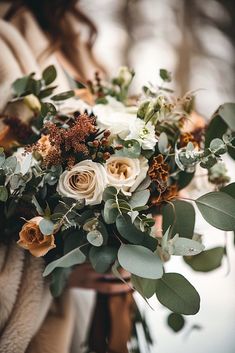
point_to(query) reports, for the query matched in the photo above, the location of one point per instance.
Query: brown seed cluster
(67, 145)
(159, 172)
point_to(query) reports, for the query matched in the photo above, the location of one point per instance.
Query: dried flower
(168, 194)
(159, 172)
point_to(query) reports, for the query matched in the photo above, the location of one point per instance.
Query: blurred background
(195, 40)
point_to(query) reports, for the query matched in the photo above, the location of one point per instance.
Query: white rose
(74, 104)
(86, 180)
(125, 173)
(143, 133)
(114, 117)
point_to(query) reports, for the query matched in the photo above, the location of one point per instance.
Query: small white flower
(115, 117)
(85, 181)
(126, 174)
(143, 133)
(125, 75)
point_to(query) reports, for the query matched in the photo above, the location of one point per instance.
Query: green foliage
(176, 322)
(134, 235)
(218, 147)
(229, 189)
(3, 194)
(49, 74)
(227, 113)
(181, 216)
(58, 281)
(95, 237)
(46, 226)
(145, 286)
(74, 257)
(163, 143)
(139, 198)
(140, 261)
(62, 96)
(165, 75)
(207, 261)
(218, 209)
(102, 258)
(176, 293)
(131, 149)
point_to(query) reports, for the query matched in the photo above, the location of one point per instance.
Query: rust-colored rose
(32, 239)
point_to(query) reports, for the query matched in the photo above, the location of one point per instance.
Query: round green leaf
(207, 261)
(49, 74)
(140, 261)
(102, 258)
(46, 226)
(176, 293)
(176, 322)
(218, 209)
(145, 286)
(134, 235)
(72, 258)
(110, 211)
(95, 238)
(182, 217)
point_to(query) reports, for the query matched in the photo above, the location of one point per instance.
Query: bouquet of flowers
(85, 179)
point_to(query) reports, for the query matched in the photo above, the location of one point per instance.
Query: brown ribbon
(112, 323)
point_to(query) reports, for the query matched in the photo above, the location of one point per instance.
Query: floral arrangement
(86, 178)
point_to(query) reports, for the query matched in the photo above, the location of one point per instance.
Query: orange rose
(44, 145)
(32, 239)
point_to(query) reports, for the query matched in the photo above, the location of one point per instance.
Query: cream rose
(125, 173)
(115, 117)
(86, 180)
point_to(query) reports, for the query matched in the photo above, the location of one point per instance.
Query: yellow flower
(32, 239)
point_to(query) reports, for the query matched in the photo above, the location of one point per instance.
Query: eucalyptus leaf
(181, 216)
(46, 226)
(131, 149)
(134, 235)
(217, 146)
(102, 258)
(140, 261)
(58, 281)
(163, 143)
(139, 198)
(227, 113)
(176, 322)
(110, 211)
(185, 247)
(145, 286)
(109, 193)
(176, 293)
(20, 85)
(229, 189)
(3, 194)
(208, 260)
(218, 209)
(95, 238)
(49, 74)
(74, 257)
(62, 96)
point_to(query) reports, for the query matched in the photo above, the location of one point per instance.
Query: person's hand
(83, 276)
